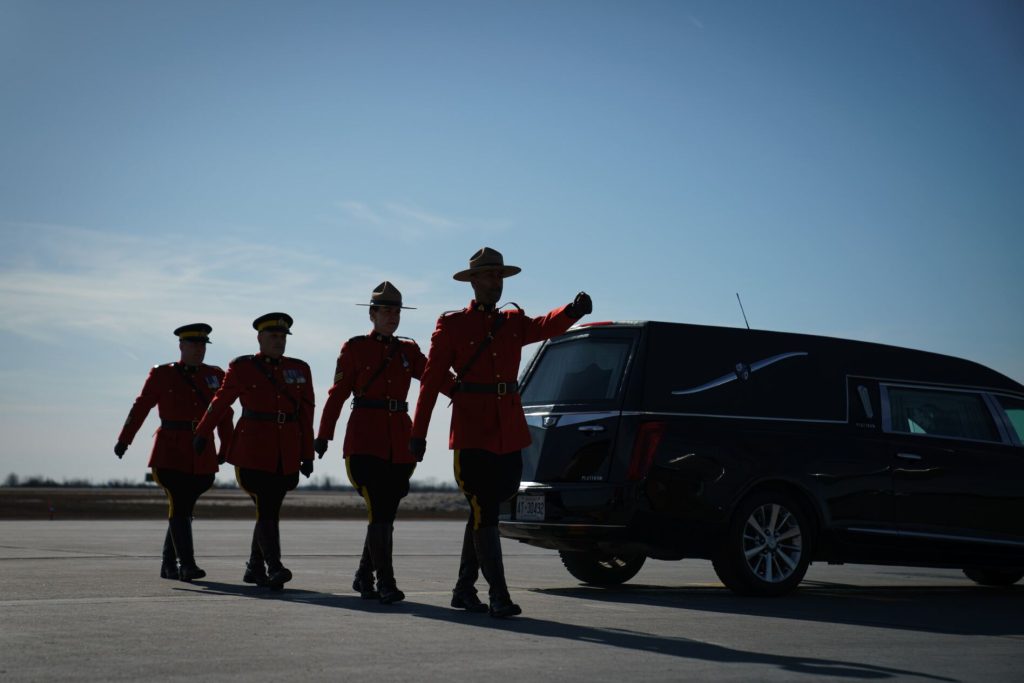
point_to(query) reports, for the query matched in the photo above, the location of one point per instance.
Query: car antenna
(741, 309)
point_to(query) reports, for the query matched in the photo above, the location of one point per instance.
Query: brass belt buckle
(392, 405)
(195, 423)
(281, 417)
(502, 388)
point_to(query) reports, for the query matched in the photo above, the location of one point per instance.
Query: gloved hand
(580, 306)
(418, 447)
(320, 446)
(199, 444)
(119, 448)
(222, 457)
(306, 467)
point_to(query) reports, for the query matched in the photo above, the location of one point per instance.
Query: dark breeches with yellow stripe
(267, 490)
(183, 490)
(382, 485)
(487, 480)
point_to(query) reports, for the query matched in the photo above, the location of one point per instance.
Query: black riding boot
(378, 538)
(464, 595)
(181, 532)
(488, 552)
(270, 544)
(362, 582)
(169, 562)
(255, 568)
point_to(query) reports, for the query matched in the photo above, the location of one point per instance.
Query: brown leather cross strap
(498, 322)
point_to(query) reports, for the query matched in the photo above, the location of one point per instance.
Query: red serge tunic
(488, 421)
(259, 444)
(376, 431)
(179, 401)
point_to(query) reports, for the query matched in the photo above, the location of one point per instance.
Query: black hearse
(764, 451)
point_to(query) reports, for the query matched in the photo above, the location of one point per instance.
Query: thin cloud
(414, 223)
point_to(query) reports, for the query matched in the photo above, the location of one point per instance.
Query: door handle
(909, 456)
(591, 429)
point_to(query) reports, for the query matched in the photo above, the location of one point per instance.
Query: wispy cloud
(695, 21)
(411, 223)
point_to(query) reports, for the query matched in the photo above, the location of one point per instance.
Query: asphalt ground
(82, 600)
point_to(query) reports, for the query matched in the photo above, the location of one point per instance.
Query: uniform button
(497, 375)
(389, 381)
(495, 353)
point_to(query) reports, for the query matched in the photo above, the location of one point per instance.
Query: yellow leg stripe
(362, 491)
(238, 478)
(473, 503)
(170, 500)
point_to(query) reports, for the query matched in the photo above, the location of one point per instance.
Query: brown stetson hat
(486, 259)
(386, 294)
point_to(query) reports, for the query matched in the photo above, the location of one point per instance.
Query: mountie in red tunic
(276, 425)
(377, 370)
(181, 394)
(490, 420)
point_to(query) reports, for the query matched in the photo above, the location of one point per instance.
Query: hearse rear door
(572, 398)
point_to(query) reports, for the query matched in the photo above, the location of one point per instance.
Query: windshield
(580, 369)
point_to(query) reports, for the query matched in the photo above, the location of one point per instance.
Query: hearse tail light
(648, 437)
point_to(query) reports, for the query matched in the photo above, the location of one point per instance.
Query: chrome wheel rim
(772, 543)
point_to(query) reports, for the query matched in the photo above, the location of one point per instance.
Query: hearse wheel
(766, 550)
(602, 569)
(993, 576)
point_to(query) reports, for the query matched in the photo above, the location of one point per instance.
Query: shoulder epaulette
(512, 303)
(447, 313)
(408, 339)
(247, 357)
(357, 338)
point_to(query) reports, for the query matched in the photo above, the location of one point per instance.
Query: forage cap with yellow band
(486, 259)
(386, 294)
(196, 332)
(274, 322)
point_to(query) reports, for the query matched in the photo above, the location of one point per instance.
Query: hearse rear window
(1014, 408)
(579, 370)
(940, 413)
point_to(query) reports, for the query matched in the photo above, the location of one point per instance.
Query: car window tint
(1014, 408)
(941, 413)
(581, 370)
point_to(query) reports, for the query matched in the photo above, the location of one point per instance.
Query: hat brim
(405, 308)
(465, 275)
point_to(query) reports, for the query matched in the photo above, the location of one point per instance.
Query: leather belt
(179, 425)
(391, 405)
(280, 417)
(501, 388)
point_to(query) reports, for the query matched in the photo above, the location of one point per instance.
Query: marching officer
(273, 439)
(488, 430)
(181, 391)
(376, 369)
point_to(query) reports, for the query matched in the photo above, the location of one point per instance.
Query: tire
(767, 548)
(602, 569)
(993, 576)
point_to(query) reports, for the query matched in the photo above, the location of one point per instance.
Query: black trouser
(267, 490)
(487, 480)
(382, 485)
(183, 490)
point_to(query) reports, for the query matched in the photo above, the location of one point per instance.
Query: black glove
(222, 457)
(119, 448)
(199, 444)
(418, 447)
(320, 446)
(306, 467)
(580, 306)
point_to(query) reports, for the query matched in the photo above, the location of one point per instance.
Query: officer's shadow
(610, 637)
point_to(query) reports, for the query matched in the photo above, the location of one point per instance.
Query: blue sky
(853, 169)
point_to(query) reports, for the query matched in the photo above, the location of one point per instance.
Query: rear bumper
(572, 537)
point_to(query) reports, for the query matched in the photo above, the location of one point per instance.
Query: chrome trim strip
(742, 371)
(569, 419)
(655, 413)
(941, 537)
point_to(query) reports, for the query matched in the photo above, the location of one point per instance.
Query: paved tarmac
(82, 600)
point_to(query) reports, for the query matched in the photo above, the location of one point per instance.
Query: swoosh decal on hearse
(742, 371)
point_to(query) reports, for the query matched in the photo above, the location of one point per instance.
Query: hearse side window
(580, 370)
(1014, 408)
(940, 413)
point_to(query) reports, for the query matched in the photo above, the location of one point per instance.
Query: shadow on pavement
(611, 637)
(968, 610)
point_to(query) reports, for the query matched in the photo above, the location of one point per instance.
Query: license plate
(530, 508)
